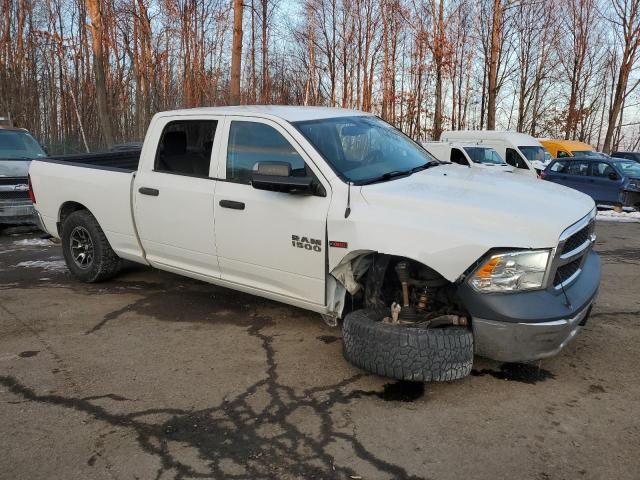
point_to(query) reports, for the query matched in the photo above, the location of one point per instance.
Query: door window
(578, 168)
(458, 157)
(559, 166)
(514, 159)
(562, 154)
(252, 142)
(185, 147)
(602, 170)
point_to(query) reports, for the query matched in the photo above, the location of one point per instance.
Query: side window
(562, 154)
(559, 166)
(458, 157)
(601, 169)
(514, 159)
(578, 168)
(252, 142)
(185, 147)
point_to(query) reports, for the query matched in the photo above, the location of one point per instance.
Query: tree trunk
(97, 31)
(493, 64)
(236, 54)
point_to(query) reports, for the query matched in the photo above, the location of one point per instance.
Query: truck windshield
(365, 149)
(488, 156)
(19, 145)
(533, 153)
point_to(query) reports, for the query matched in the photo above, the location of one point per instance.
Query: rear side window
(185, 147)
(458, 157)
(559, 166)
(562, 154)
(252, 142)
(578, 168)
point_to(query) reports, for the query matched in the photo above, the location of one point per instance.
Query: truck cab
(472, 155)
(523, 152)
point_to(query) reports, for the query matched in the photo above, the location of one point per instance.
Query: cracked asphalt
(155, 376)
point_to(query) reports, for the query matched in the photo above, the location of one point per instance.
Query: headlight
(511, 272)
(634, 185)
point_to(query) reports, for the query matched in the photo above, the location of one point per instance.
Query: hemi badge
(338, 244)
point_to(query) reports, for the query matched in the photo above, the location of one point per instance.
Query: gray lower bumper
(521, 342)
(17, 213)
(531, 325)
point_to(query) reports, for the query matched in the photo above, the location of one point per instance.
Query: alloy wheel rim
(81, 247)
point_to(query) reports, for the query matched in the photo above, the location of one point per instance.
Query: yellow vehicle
(566, 148)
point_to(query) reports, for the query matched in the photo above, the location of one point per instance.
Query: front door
(271, 241)
(173, 201)
(606, 183)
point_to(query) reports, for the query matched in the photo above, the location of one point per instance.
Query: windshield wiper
(384, 177)
(400, 173)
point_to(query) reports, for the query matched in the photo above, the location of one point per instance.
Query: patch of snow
(613, 216)
(33, 242)
(48, 265)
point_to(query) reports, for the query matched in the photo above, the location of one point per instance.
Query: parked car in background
(17, 149)
(635, 156)
(471, 155)
(559, 148)
(610, 181)
(521, 151)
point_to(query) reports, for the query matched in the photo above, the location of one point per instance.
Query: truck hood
(14, 168)
(459, 214)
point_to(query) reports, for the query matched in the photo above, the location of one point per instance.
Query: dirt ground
(153, 376)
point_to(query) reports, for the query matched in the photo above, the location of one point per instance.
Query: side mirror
(613, 176)
(276, 177)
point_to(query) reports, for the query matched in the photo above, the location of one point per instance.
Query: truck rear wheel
(406, 352)
(86, 249)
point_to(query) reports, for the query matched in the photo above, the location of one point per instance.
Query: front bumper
(17, 212)
(531, 325)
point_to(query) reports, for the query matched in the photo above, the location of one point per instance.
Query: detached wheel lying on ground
(406, 352)
(86, 249)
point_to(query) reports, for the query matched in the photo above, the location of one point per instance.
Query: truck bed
(121, 161)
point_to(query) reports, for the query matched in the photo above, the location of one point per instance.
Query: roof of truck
(515, 137)
(288, 113)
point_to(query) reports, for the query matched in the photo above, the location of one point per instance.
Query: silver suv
(17, 149)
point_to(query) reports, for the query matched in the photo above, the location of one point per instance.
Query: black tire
(104, 263)
(405, 352)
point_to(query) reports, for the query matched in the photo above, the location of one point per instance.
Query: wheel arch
(345, 278)
(66, 209)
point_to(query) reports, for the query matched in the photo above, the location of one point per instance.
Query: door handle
(232, 204)
(154, 192)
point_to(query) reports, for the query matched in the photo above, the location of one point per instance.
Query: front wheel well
(369, 279)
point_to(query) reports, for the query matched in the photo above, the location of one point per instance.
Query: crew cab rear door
(174, 193)
(271, 241)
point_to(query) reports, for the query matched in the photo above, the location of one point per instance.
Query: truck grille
(564, 272)
(13, 195)
(577, 239)
(572, 251)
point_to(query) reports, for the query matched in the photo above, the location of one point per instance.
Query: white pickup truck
(337, 212)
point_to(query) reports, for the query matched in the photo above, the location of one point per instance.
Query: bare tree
(626, 17)
(236, 53)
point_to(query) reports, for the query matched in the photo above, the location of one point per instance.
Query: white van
(469, 155)
(519, 150)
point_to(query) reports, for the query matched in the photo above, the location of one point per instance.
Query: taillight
(32, 195)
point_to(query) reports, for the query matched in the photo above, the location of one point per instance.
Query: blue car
(609, 181)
